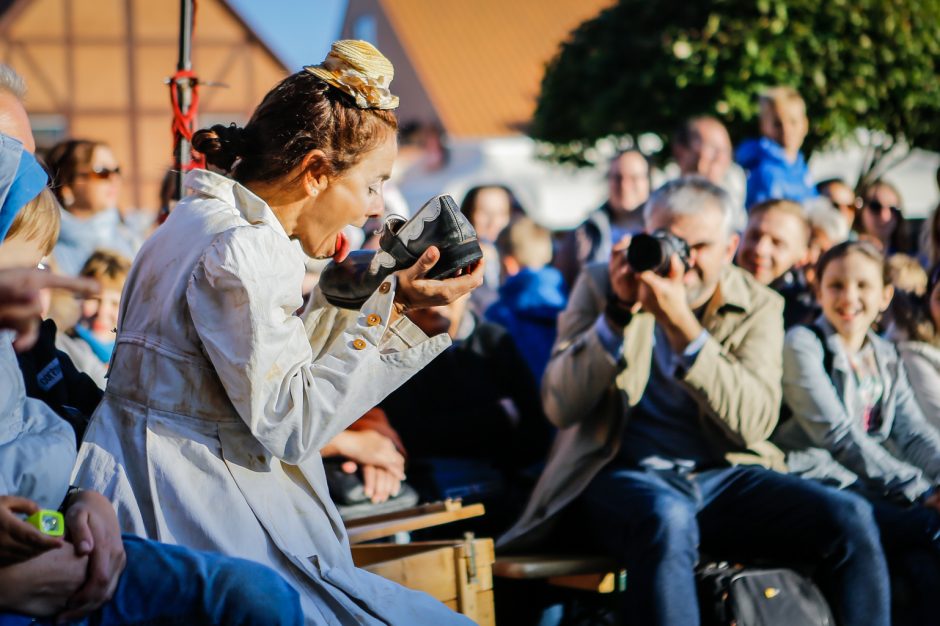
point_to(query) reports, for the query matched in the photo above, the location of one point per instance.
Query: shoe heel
(455, 258)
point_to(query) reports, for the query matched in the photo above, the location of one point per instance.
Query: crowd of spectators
(771, 395)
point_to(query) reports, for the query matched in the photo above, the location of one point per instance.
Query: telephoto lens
(653, 252)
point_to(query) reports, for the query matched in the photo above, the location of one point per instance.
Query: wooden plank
(550, 565)
(377, 530)
(599, 583)
(431, 571)
(431, 507)
(486, 609)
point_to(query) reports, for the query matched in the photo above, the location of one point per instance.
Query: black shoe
(438, 223)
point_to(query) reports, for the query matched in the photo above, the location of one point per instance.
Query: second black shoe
(438, 223)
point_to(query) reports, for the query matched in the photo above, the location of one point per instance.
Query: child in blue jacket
(776, 170)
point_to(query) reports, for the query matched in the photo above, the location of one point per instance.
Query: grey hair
(690, 194)
(823, 216)
(11, 82)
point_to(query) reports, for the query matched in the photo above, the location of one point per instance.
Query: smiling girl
(856, 423)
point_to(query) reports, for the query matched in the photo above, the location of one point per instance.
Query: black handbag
(744, 596)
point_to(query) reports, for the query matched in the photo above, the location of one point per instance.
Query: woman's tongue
(342, 248)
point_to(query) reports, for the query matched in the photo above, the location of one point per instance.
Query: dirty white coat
(220, 398)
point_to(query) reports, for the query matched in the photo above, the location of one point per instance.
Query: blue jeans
(655, 522)
(164, 584)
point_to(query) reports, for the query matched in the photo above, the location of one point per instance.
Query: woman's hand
(417, 292)
(95, 532)
(42, 586)
(20, 541)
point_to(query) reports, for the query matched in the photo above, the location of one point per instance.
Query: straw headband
(359, 70)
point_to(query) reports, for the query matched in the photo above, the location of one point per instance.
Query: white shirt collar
(251, 207)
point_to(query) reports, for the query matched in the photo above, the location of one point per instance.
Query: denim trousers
(656, 522)
(164, 584)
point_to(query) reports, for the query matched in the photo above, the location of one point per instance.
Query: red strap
(183, 122)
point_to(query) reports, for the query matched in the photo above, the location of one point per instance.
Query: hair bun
(221, 145)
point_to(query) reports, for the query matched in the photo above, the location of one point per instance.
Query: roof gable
(482, 61)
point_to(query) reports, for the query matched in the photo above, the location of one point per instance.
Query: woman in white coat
(220, 393)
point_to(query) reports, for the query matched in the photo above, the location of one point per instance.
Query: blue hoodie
(770, 176)
(528, 307)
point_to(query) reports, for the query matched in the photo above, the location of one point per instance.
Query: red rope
(183, 122)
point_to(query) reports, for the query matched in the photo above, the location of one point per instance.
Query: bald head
(702, 147)
(13, 119)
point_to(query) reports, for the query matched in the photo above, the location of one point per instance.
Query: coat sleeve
(821, 413)
(580, 371)
(739, 384)
(294, 390)
(925, 381)
(917, 441)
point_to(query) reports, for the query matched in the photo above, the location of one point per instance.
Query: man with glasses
(628, 187)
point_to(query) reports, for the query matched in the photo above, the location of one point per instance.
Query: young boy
(90, 343)
(776, 170)
(92, 571)
(533, 293)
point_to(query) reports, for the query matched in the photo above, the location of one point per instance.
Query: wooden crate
(458, 573)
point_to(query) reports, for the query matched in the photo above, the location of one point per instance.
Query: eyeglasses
(875, 207)
(102, 173)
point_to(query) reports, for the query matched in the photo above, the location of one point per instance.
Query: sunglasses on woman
(875, 207)
(102, 173)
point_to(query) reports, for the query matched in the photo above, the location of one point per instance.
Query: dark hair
(302, 113)
(66, 159)
(842, 250)
(821, 185)
(900, 239)
(469, 204)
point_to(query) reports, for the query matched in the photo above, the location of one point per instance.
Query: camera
(652, 252)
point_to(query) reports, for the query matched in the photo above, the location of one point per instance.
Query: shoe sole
(455, 258)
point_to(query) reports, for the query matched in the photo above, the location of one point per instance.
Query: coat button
(373, 320)
(385, 287)
(359, 344)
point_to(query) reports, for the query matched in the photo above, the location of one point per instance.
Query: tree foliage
(642, 66)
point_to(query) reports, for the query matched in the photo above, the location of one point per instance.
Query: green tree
(642, 66)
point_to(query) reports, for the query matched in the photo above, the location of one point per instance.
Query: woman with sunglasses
(87, 181)
(880, 219)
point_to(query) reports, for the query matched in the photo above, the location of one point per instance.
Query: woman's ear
(315, 170)
(886, 297)
(68, 198)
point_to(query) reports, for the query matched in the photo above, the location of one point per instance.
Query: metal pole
(184, 89)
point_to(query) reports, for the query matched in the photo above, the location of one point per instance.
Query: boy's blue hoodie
(528, 307)
(770, 176)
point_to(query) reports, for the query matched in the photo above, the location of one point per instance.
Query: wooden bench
(375, 527)
(576, 571)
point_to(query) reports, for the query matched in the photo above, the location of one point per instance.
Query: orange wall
(101, 65)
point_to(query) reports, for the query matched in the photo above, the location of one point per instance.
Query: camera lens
(646, 253)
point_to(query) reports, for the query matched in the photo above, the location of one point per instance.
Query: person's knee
(853, 517)
(256, 594)
(670, 526)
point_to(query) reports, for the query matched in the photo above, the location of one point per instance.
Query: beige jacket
(735, 380)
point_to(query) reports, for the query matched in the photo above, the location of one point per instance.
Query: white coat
(220, 398)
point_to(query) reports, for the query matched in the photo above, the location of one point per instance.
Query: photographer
(665, 386)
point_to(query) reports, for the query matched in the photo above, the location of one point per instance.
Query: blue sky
(298, 31)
